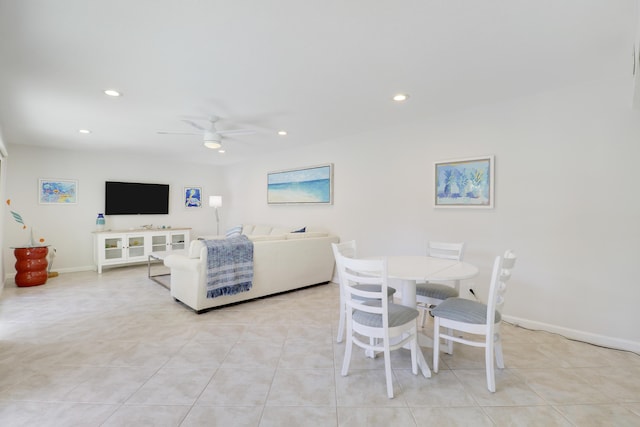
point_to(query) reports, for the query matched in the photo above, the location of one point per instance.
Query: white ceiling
(316, 68)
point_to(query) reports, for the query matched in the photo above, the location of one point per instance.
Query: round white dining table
(406, 270)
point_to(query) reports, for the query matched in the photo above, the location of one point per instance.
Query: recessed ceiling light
(282, 132)
(221, 151)
(84, 131)
(112, 92)
(400, 97)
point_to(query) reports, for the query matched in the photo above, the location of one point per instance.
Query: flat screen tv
(135, 198)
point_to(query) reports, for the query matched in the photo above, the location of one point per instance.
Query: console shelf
(117, 247)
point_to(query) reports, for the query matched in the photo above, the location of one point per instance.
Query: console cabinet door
(111, 248)
(159, 242)
(179, 240)
(136, 247)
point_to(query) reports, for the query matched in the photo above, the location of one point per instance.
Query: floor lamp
(216, 202)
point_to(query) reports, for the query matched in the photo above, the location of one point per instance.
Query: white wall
(566, 202)
(69, 228)
(3, 212)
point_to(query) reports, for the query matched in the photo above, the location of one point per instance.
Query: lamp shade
(215, 201)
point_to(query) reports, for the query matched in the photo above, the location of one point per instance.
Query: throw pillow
(301, 230)
(234, 231)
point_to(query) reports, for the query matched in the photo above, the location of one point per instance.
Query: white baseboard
(601, 340)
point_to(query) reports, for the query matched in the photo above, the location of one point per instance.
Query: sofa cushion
(279, 231)
(261, 229)
(234, 231)
(307, 235)
(247, 229)
(263, 237)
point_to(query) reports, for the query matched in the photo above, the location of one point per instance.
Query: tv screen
(134, 198)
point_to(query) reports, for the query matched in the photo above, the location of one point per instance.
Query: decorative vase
(100, 222)
(31, 266)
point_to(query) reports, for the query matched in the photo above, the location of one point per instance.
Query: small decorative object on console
(100, 222)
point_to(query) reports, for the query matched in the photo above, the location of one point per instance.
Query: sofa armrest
(181, 262)
(211, 237)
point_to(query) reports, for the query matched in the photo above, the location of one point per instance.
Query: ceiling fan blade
(237, 132)
(163, 132)
(194, 124)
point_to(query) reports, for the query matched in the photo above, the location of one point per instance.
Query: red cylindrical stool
(31, 266)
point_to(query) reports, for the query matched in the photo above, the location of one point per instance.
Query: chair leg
(449, 349)
(414, 353)
(436, 343)
(498, 351)
(341, 323)
(387, 370)
(343, 314)
(488, 356)
(423, 315)
(347, 355)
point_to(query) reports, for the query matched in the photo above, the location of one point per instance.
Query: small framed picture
(57, 191)
(192, 197)
(464, 183)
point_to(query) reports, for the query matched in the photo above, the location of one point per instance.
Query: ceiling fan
(212, 137)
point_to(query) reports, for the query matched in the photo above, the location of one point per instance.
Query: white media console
(117, 247)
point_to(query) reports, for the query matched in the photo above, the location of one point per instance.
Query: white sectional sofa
(282, 261)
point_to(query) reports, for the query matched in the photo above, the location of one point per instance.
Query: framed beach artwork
(464, 183)
(57, 191)
(192, 197)
(310, 185)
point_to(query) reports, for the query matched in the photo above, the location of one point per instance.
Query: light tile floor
(116, 350)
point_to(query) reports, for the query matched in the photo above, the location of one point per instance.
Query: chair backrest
(357, 272)
(347, 249)
(446, 250)
(502, 268)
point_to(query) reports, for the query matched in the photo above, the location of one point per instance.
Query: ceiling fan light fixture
(212, 140)
(212, 144)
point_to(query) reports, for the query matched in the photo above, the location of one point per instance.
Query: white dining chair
(347, 249)
(369, 314)
(476, 318)
(430, 294)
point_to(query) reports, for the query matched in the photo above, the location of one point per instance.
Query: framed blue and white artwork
(464, 183)
(57, 191)
(309, 185)
(192, 197)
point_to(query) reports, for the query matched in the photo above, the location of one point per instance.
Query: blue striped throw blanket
(229, 266)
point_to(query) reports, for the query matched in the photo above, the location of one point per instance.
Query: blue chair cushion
(435, 291)
(463, 310)
(374, 288)
(398, 315)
